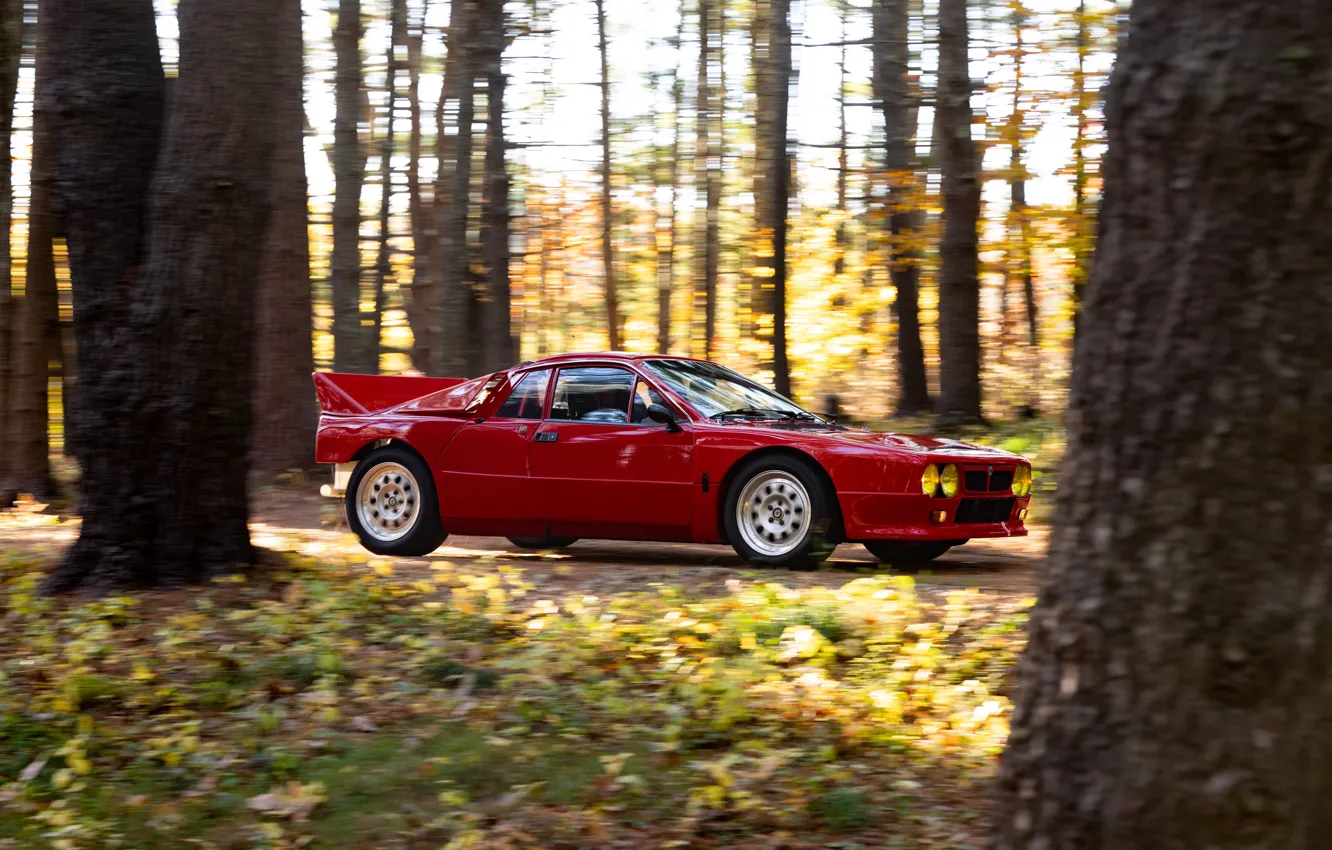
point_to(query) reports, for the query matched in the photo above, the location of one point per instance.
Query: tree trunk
(959, 280)
(456, 174)
(1082, 235)
(1019, 236)
(96, 47)
(37, 331)
(772, 183)
(700, 218)
(164, 495)
(716, 153)
(499, 341)
(285, 411)
(421, 305)
(607, 249)
(384, 257)
(1174, 692)
(892, 88)
(11, 50)
(666, 229)
(353, 345)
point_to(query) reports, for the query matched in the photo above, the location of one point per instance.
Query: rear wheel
(902, 553)
(780, 513)
(392, 505)
(543, 542)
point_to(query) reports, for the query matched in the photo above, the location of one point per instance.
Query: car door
(483, 472)
(600, 468)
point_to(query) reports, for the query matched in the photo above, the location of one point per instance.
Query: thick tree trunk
(11, 49)
(607, 248)
(384, 256)
(100, 48)
(285, 411)
(892, 88)
(499, 342)
(456, 175)
(1174, 692)
(165, 500)
(959, 280)
(422, 302)
(353, 345)
(37, 331)
(666, 225)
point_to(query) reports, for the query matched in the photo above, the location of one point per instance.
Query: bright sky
(560, 70)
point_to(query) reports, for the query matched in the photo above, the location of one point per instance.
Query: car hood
(915, 444)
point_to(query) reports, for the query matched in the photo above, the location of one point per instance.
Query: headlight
(949, 479)
(1022, 481)
(929, 480)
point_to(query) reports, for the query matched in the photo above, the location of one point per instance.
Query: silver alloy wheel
(773, 513)
(387, 501)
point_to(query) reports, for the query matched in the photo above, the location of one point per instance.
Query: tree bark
(422, 302)
(384, 257)
(699, 288)
(892, 88)
(285, 410)
(499, 342)
(353, 344)
(666, 224)
(772, 183)
(164, 495)
(11, 51)
(456, 173)
(607, 248)
(716, 154)
(1082, 231)
(959, 280)
(106, 72)
(37, 332)
(1174, 692)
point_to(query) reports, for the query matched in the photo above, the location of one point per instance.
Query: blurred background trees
(889, 201)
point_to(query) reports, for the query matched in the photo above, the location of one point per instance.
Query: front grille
(973, 511)
(975, 480)
(986, 481)
(1001, 480)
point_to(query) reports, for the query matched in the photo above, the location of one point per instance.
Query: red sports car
(647, 447)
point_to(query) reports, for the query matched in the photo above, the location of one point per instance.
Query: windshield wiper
(746, 411)
(790, 415)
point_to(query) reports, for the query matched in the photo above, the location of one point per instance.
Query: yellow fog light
(929, 480)
(1022, 481)
(949, 479)
(938, 516)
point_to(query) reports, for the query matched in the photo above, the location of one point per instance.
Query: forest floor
(610, 695)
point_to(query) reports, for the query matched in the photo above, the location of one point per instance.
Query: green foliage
(339, 704)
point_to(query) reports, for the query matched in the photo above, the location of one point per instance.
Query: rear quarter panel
(341, 437)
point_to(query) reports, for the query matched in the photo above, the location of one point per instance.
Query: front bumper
(914, 516)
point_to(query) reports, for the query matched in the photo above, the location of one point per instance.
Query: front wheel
(392, 505)
(780, 513)
(902, 553)
(543, 542)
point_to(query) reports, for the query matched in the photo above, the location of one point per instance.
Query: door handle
(547, 436)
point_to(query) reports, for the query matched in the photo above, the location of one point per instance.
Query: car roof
(612, 356)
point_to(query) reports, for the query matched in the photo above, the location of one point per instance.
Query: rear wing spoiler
(341, 392)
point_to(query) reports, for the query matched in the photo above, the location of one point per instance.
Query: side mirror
(662, 415)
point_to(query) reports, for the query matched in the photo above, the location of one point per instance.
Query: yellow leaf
(383, 568)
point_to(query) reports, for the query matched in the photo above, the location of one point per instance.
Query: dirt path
(295, 517)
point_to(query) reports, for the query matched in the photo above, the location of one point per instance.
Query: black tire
(904, 553)
(427, 533)
(819, 530)
(543, 542)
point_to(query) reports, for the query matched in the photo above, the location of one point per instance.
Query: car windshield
(716, 391)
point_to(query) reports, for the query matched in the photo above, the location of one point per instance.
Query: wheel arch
(374, 445)
(837, 532)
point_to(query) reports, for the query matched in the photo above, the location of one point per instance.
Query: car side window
(592, 394)
(644, 396)
(527, 398)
